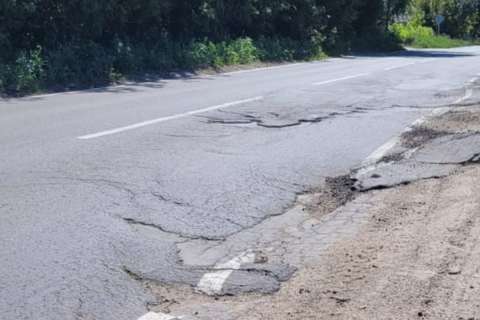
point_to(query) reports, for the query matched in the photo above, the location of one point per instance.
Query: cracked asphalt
(84, 222)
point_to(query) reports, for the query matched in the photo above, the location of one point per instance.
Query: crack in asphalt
(163, 198)
(259, 121)
(132, 221)
(475, 159)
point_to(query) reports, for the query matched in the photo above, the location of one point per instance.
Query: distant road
(96, 186)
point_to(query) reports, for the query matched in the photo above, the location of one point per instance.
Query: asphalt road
(99, 188)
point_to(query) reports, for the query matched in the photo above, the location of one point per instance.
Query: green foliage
(382, 41)
(88, 42)
(246, 50)
(78, 65)
(462, 18)
(424, 37)
(25, 74)
(410, 32)
(439, 42)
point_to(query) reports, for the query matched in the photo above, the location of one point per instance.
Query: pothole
(337, 192)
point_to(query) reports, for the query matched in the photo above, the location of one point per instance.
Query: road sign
(439, 20)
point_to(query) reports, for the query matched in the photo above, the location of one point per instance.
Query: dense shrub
(78, 65)
(408, 32)
(25, 74)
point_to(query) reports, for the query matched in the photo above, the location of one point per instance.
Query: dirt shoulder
(417, 257)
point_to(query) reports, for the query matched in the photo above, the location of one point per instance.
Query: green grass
(440, 42)
(424, 37)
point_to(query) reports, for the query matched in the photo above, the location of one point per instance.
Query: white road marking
(399, 67)
(164, 119)
(381, 151)
(370, 162)
(468, 91)
(212, 283)
(409, 64)
(263, 68)
(158, 316)
(340, 79)
(468, 95)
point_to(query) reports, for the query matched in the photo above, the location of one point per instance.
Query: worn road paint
(158, 316)
(164, 119)
(399, 67)
(381, 151)
(262, 69)
(468, 91)
(212, 283)
(370, 162)
(340, 79)
(392, 143)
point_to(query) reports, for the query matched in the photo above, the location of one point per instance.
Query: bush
(376, 41)
(202, 54)
(424, 37)
(25, 75)
(277, 49)
(408, 33)
(245, 49)
(75, 65)
(80, 65)
(206, 53)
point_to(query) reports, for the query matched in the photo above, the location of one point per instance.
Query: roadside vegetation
(460, 28)
(64, 44)
(418, 36)
(60, 44)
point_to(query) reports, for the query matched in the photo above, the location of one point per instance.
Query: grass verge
(424, 37)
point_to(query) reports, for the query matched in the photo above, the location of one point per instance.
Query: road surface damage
(398, 239)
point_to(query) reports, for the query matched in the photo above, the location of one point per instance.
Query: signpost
(439, 19)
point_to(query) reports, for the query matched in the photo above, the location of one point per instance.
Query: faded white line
(212, 283)
(164, 119)
(381, 151)
(468, 95)
(262, 69)
(340, 79)
(399, 67)
(468, 91)
(409, 64)
(370, 162)
(158, 316)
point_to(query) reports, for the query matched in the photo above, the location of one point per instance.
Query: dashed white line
(399, 67)
(212, 283)
(164, 119)
(340, 79)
